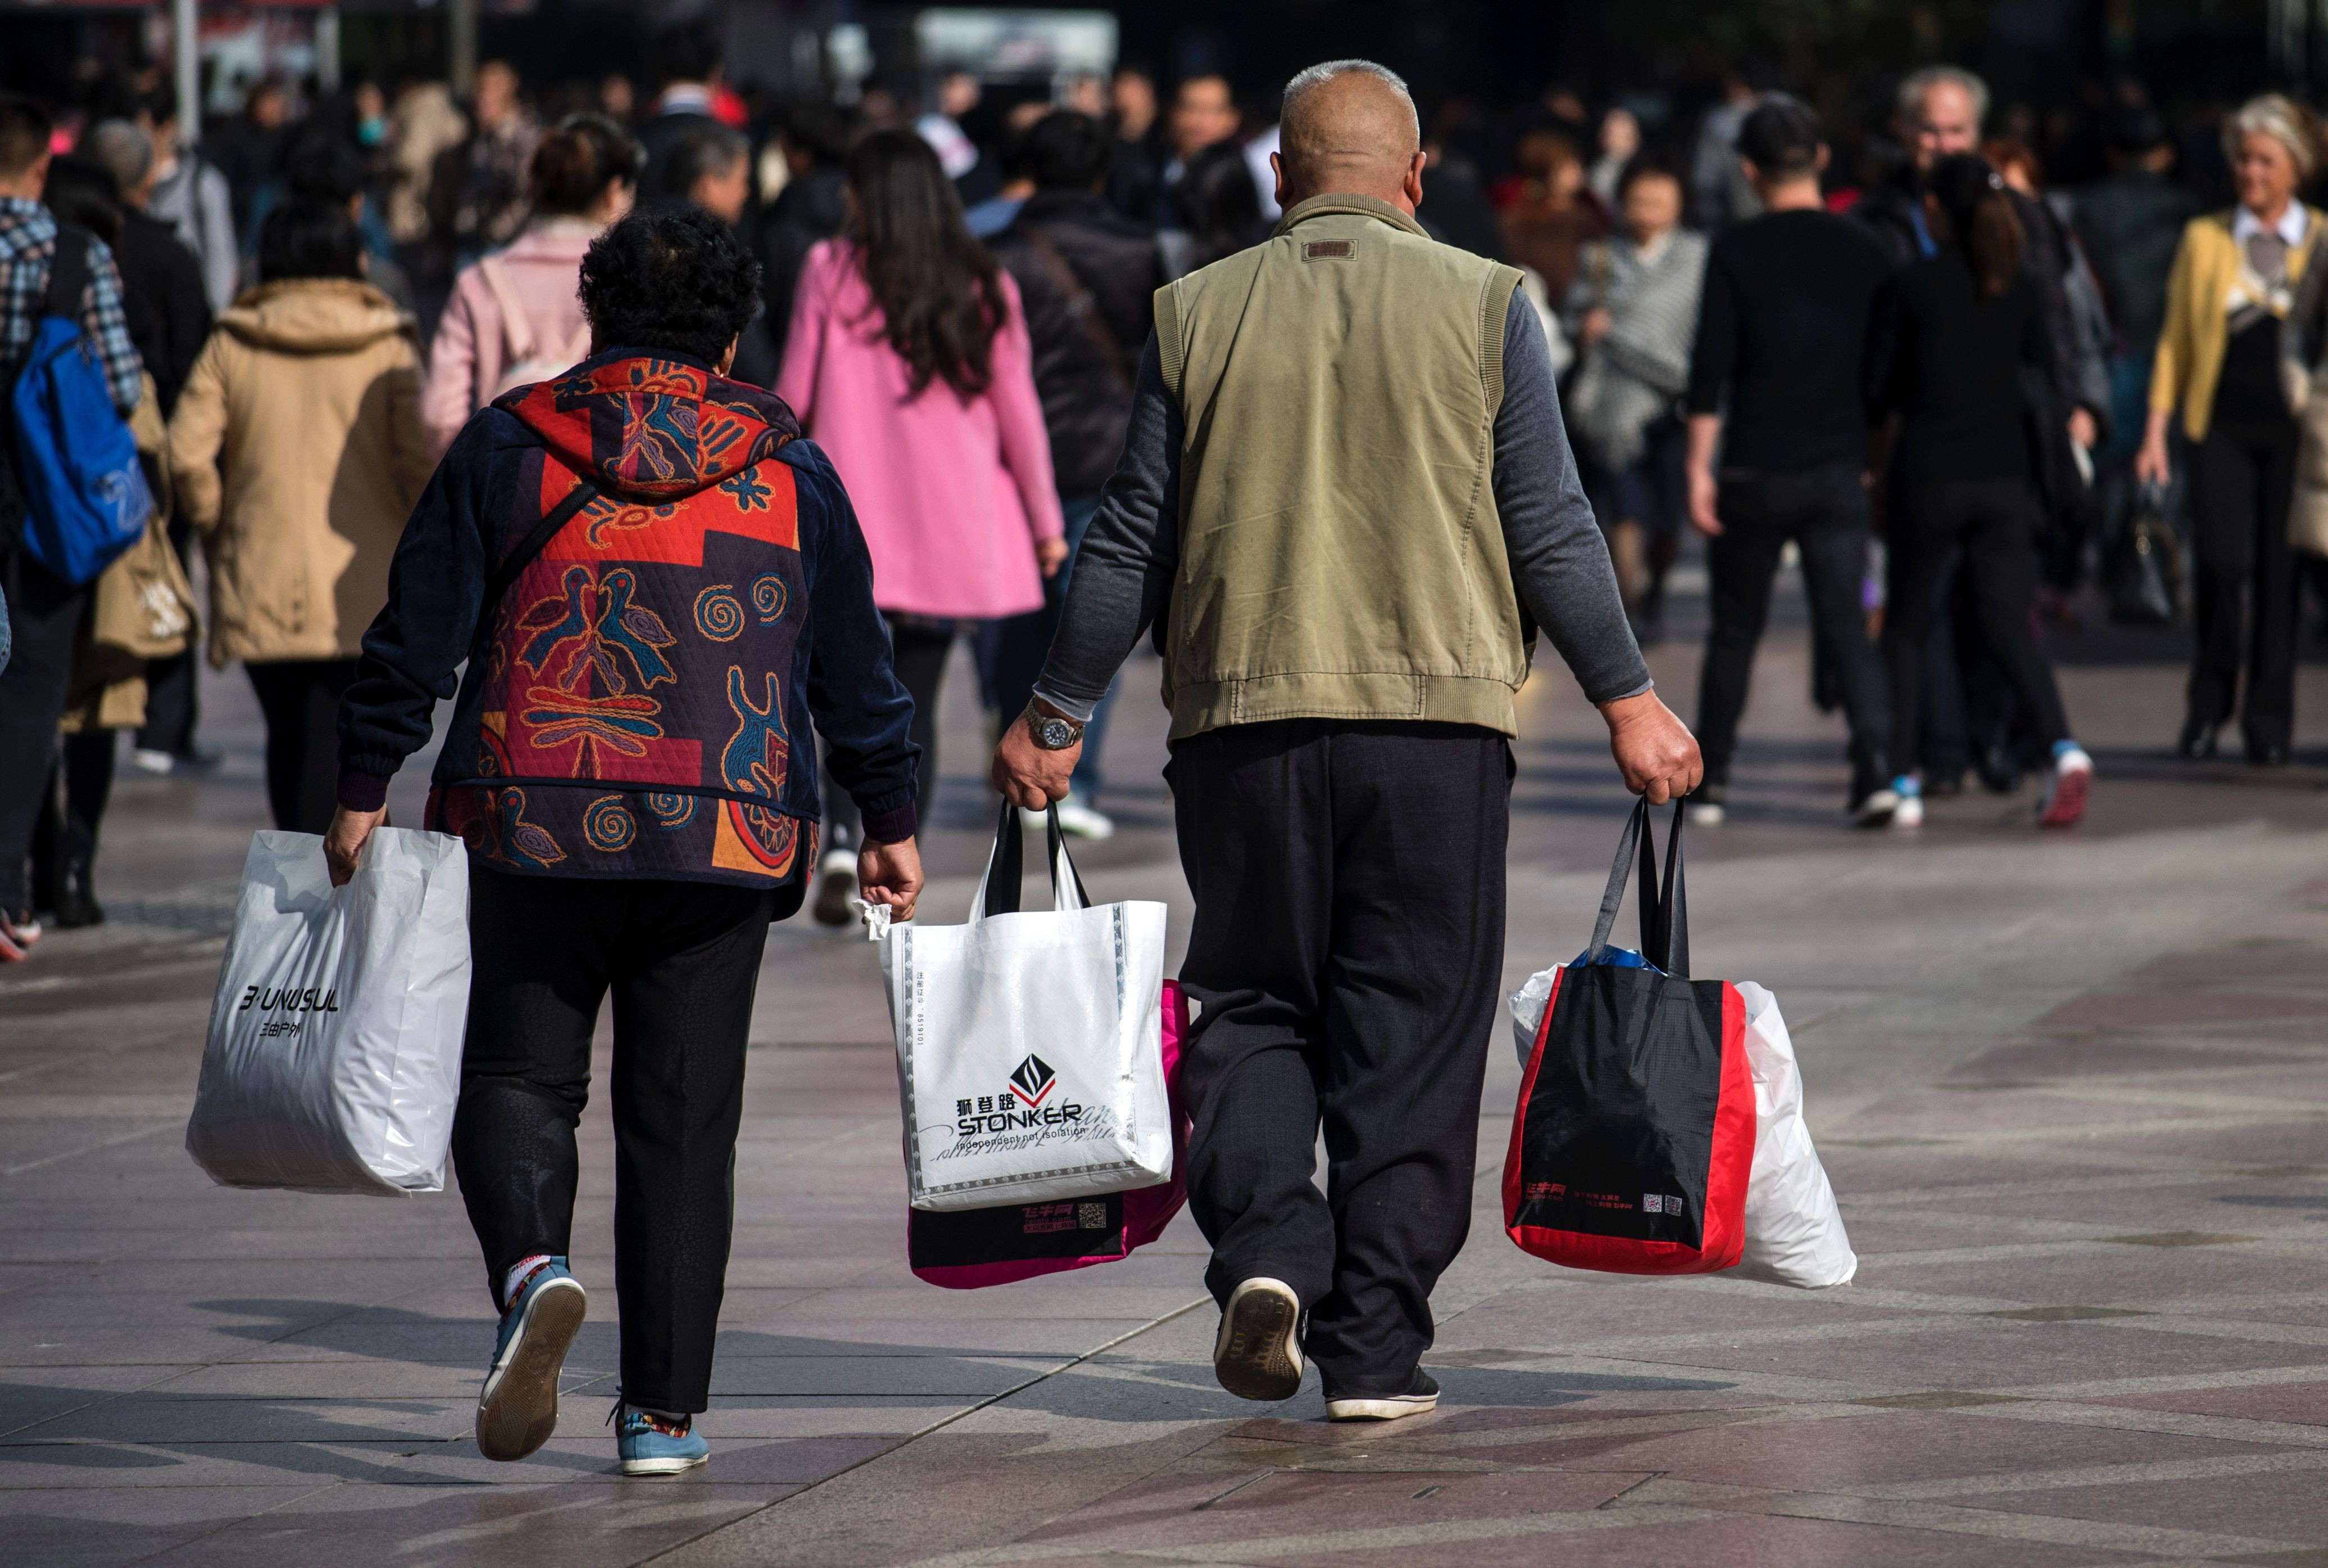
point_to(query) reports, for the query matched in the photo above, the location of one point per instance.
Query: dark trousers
(1021, 643)
(918, 649)
(682, 959)
(301, 701)
(2244, 587)
(1346, 960)
(44, 614)
(1826, 514)
(1991, 526)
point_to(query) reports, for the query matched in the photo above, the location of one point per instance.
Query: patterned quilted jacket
(639, 703)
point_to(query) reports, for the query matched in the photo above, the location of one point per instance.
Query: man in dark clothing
(1086, 277)
(629, 759)
(160, 279)
(2131, 222)
(811, 207)
(169, 313)
(1785, 337)
(686, 65)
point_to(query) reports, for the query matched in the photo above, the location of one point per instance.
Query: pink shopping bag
(968, 1249)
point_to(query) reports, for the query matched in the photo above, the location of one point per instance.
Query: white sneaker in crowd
(1878, 807)
(146, 760)
(835, 886)
(1908, 795)
(1079, 817)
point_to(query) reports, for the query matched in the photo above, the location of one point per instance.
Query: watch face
(1056, 734)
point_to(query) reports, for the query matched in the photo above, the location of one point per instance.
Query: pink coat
(541, 269)
(953, 492)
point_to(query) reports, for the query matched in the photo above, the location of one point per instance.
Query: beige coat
(298, 450)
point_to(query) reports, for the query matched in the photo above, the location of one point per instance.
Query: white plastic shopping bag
(1029, 1043)
(334, 1051)
(1794, 1231)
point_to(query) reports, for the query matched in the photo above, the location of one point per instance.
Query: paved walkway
(2071, 1090)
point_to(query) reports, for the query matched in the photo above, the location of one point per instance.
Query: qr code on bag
(1091, 1217)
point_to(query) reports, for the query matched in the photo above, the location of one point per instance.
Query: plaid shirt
(28, 247)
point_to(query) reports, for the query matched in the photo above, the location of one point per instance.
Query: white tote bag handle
(999, 894)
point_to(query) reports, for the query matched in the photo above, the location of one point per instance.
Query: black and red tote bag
(1635, 1130)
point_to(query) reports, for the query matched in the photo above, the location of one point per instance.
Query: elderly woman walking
(2218, 363)
(1634, 310)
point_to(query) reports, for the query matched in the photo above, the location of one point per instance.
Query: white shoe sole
(1705, 816)
(1391, 1407)
(1256, 1355)
(664, 1467)
(1877, 810)
(518, 1410)
(1910, 814)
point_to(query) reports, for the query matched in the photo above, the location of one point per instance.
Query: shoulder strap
(531, 546)
(1081, 304)
(68, 272)
(516, 330)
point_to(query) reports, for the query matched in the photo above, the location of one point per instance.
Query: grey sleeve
(1559, 562)
(1122, 571)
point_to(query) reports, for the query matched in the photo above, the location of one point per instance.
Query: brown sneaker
(1258, 1352)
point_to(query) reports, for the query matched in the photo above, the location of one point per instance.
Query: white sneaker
(1879, 809)
(1909, 809)
(1420, 1398)
(1257, 1354)
(146, 760)
(1079, 819)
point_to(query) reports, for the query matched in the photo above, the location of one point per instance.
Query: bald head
(1348, 127)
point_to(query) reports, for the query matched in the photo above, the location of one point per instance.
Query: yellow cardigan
(2191, 345)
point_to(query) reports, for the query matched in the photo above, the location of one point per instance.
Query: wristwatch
(1051, 732)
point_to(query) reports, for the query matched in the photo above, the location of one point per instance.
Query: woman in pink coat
(516, 316)
(909, 361)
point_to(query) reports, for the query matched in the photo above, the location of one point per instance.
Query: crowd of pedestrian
(1950, 395)
(670, 435)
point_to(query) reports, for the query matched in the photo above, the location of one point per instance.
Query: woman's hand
(1050, 554)
(2151, 465)
(344, 840)
(890, 874)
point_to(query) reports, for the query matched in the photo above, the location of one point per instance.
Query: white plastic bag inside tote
(1029, 1047)
(1794, 1231)
(334, 1052)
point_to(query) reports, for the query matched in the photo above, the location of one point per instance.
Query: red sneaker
(2064, 802)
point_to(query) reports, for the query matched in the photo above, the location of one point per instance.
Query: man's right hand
(890, 874)
(344, 840)
(1654, 750)
(1702, 493)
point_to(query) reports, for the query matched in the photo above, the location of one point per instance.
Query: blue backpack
(83, 492)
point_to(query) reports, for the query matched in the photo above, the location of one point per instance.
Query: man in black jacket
(1087, 276)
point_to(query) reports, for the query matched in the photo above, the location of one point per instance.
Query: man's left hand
(1654, 750)
(1026, 774)
(2083, 430)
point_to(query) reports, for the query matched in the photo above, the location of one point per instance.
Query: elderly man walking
(1347, 494)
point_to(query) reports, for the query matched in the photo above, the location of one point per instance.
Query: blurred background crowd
(451, 163)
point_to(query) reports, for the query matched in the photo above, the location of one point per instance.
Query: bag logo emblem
(1032, 1080)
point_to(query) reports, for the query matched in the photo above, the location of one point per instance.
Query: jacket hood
(315, 315)
(652, 427)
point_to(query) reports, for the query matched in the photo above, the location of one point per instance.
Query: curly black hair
(670, 278)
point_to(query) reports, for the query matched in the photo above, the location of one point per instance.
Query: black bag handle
(1008, 863)
(1665, 918)
(531, 547)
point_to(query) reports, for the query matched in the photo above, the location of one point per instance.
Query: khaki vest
(1341, 553)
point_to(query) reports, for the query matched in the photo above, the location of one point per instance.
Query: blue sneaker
(518, 1409)
(652, 1446)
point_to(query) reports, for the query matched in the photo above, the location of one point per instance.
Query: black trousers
(301, 701)
(682, 959)
(1346, 960)
(918, 649)
(45, 617)
(1825, 513)
(2244, 584)
(1990, 528)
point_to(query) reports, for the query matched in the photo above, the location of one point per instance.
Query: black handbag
(2145, 575)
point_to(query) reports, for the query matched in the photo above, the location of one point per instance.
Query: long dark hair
(1978, 210)
(940, 293)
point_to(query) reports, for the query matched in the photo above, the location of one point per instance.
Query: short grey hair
(2282, 119)
(1910, 101)
(125, 152)
(1317, 76)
